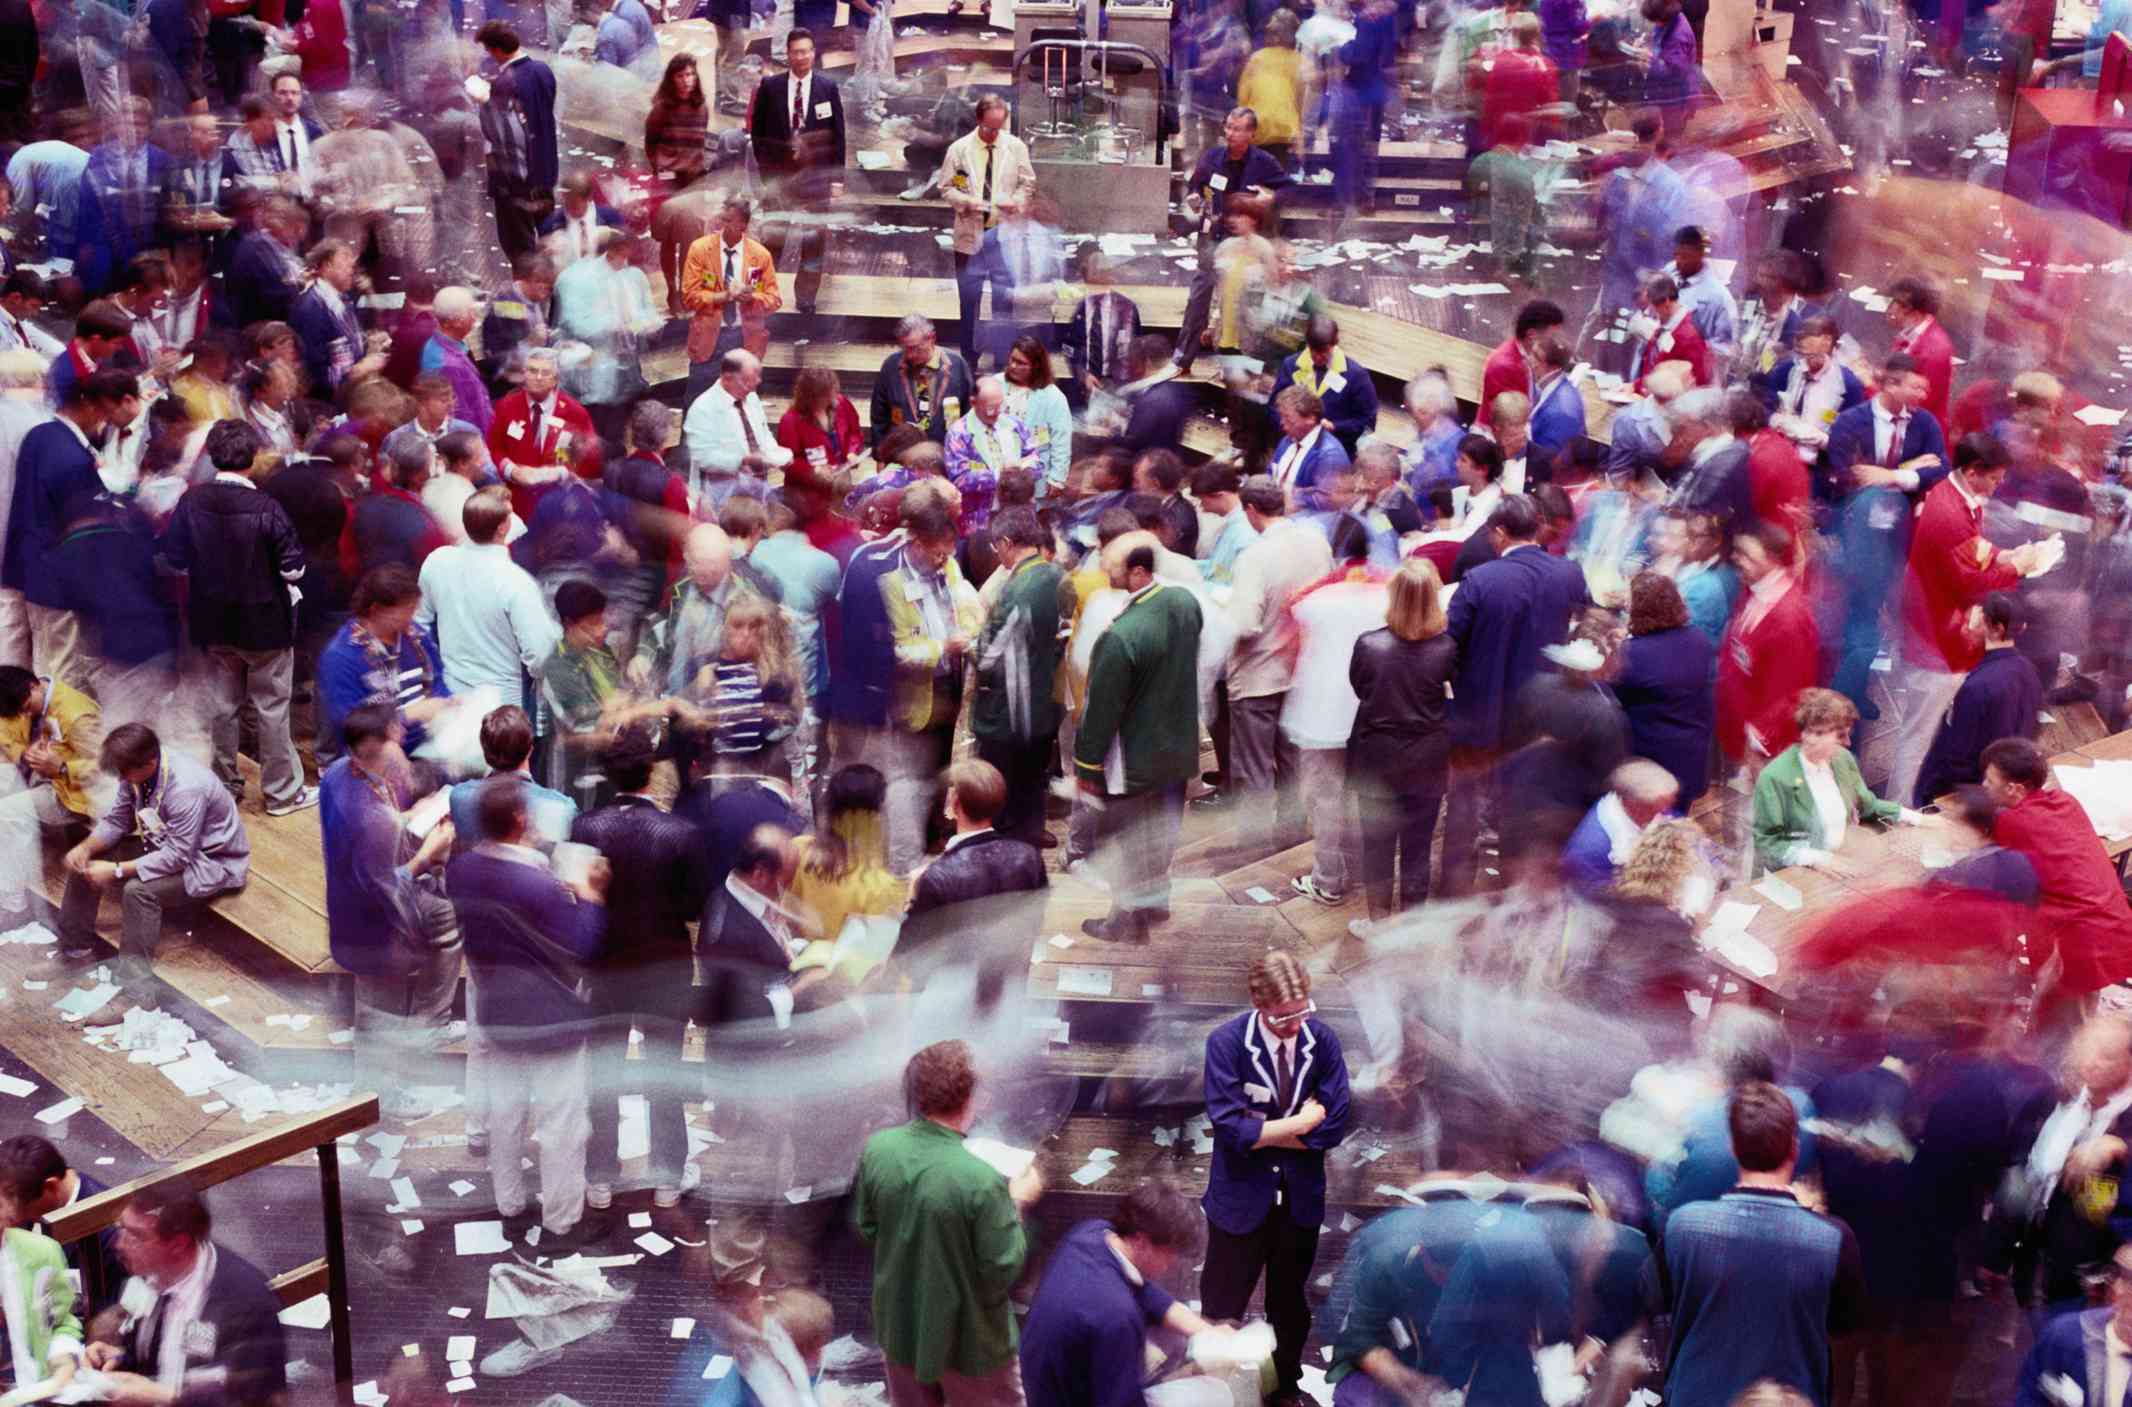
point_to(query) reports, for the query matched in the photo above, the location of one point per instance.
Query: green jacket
(948, 1246)
(1784, 813)
(39, 1290)
(1143, 692)
(1018, 657)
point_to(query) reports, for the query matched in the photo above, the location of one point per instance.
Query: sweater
(1143, 696)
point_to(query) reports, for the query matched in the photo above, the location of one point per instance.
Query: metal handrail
(1102, 49)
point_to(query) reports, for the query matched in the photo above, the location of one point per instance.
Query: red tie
(1895, 440)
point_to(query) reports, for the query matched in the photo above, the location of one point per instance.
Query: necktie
(539, 423)
(747, 431)
(288, 137)
(1895, 439)
(799, 107)
(732, 284)
(1284, 1093)
(274, 155)
(988, 185)
(153, 1350)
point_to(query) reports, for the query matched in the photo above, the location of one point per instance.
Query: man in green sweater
(948, 1242)
(1015, 717)
(1139, 736)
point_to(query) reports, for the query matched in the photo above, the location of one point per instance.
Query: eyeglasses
(1293, 1018)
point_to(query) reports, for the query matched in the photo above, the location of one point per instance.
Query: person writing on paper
(1276, 1084)
(948, 1242)
(1810, 795)
(202, 1325)
(1086, 1339)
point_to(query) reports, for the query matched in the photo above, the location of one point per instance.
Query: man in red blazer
(1675, 338)
(1771, 650)
(2081, 908)
(1951, 568)
(1510, 366)
(539, 435)
(1913, 307)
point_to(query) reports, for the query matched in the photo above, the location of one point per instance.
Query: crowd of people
(649, 705)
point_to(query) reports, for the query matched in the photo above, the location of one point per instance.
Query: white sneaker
(691, 1179)
(304, 801)
(599, 1195)
(517, 1357)
(1086, 872)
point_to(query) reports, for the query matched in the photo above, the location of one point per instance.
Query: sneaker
(302, 801)
(599, 1195)
(918, 192)
(1308, 887)
(1086, 872)
(1361, 927)
(691, 1179)
(517, 1357)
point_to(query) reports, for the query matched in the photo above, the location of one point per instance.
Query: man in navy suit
(1345, 391)
(55, 471)
(796, 126)
(1276, 1086)
(1506, 611)
(518, 119)
(1309, 453)
(572, 230)
(1883, 456)
(121, 204)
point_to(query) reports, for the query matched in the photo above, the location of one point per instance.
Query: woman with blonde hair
(1399, 753)
(843, 873)
(751, 693)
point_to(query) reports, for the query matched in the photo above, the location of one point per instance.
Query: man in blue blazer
(1882, 456)
(518, 120)
(1343, 386)
(2074, 1347)
(1277, 1094)
(121, 203)
(1309, 453)
(55, 472)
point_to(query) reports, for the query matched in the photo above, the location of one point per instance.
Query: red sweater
(1761, 671)
(1505, 370)
(1777, 479)
(1951, 569)
(1687, 345)
(1933, 351)
(2082, 909)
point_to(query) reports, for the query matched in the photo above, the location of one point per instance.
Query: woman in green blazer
(1810, 794)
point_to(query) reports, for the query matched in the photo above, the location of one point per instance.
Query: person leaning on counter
(1811, 794)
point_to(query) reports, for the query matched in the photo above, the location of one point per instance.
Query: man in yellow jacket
(50, 733)
(729, 282)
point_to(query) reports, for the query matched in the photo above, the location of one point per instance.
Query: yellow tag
(952, 407)
(2097, 1198)
(510, 308)
(961, 183)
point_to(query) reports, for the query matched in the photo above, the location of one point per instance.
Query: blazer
(657, 889)
(1159, 413)
(985, 894)
(52, 468)
(951, 391)
(917, 654)
(780, 151)
(1096, 334)
(510, 436)
(962, 176)
(332, 341)
(2000, 699)
(1681, 343)
(1952, 567)
(1851, 439)
(235, 1355)
(1143, 692)
(1502, 615)
(523, 89)
(1777, 384)
(1245, 1184)
(1665, 688)
(526, 936)
(1761, 671)
(742, 962)
(113, 221)
(1300, 473)
(1784, 812)
(262, 280)
(1346, 390)
(2071, 1346)
(703, 274)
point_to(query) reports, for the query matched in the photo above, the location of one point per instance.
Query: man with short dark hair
(1514, 365)
(179, 839)
(55, 467)
(1015, 717)
(516, 95)
(1238, 168)
(2083, 914)
(1736, 1320)
(35, 1182)
(2000, 697)
(238, 553)
(796, 126)
(1347, 394)
(1101, 1292)
(381, 656)
(981, 886)
(209, 1326)
(948, 1243)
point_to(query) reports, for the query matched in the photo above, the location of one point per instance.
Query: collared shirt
(188, 1297)
(721, 432)
(960, 836)
(929, 593)
(1830, 809)
(1622, 833)
(2070, 1125)
(771, 914)
(490, 621)
(2117, 1371)
(289, 136)
(1287, 466)
(1762, 596)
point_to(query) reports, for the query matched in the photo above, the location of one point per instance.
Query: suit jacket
(1761, 671)
(1095, 337)
(2000, 699)
(1680, 343)
(980, 900)
(1786, 816)
(657, 889)
(703, 274)
(962, 180)
(1346, 391)
(510, 437)
(1952, 567)
(742, 962)
(819, 143)
(523, 91)
(1852, 437)
(234, 1352)
(895, 396)
(115, 219)
(332, 341)
(52, 467)
(1665, 689)
(1159, 413)
(1245, 1183)
(1143, 693)
(262, 280)
(2072, 1347)
(1503, 614)
(1300, 471)
(604, 216)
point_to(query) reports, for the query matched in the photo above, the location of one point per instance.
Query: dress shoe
(1118, 928)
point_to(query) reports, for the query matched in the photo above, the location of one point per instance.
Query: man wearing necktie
(729, 282)
(201, 1325)
(1276, 1084)
(294, 132)
(986, 176)
(796, 127)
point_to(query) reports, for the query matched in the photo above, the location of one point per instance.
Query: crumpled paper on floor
(554, 1305)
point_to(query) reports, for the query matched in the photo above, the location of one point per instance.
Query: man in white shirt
(577, 229)
(1265, 766)
(22, 408)
(2080, 1150)
(726, 425)
(201, 1323)
(293, 132)
(490, 621)
(21, 299)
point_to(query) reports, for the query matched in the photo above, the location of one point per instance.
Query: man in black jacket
(202, 1325)
(643, 976)
(239, 552)
(796, 126)
(985, 885)
(1157, 403)
(747, 937)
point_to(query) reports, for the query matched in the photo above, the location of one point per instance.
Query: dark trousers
(1198, 304)
(142, 902)
(519, 211)
(1470, 796)
(657, 1004)
(1027, 769)
(1283, 1251)
(1397, 828)
(971, 276)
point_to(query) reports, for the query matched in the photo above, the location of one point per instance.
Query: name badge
(199, 1339)
(821, 109)
(1257, 1093)
(1335, 383)
(1218, 181)
(517, 430)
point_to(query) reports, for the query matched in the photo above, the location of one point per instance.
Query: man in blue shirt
(1233, 168)
(1085, 1340)
(1758, 1283)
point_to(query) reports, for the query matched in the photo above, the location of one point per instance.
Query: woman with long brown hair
(676, 137)
(822, 427)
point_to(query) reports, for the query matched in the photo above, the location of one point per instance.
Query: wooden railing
(318, 1132)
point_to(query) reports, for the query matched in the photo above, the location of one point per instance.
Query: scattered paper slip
(462, 1369)
(718, 1367)
(1010, 1161)
(479, 1238)
(1259, 894)
(461, 1187)
(58, 1113)
(1060, 940)
(798, 1195)
(410, 1227)
(458, 1311)
(654, 1244)
(2098, 415)
(404, 1189)
(1780, 892)
(460, 1385)
(313, 1313)
(1084, 981)
(639, 1221)
(459, 1347)
(18, 1088)
(1090, 1173)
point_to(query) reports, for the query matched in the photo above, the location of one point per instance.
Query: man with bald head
(726, 426)
(690, 624)
(982, 444)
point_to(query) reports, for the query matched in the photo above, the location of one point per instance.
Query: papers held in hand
(1011, 1162)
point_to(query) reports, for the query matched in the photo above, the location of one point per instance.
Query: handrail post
(329, 1197)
